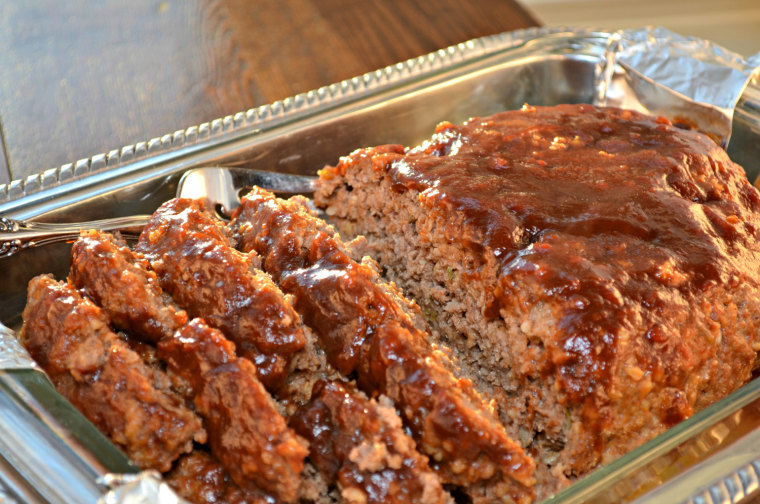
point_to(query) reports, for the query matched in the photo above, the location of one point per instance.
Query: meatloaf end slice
(70, 339)
(593, 268)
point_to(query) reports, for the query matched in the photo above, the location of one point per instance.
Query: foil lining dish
(50, 453)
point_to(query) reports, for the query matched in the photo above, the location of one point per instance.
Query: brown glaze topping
(201, 479)
(195, 263)
(362, 445)
(121, 283)
(195, 350)
(338, 299)
(365, 332)
(613, 212)
(246, 433)
(70, 338)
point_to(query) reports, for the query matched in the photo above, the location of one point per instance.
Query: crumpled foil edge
(691, 81)
(12, 354)
(146, 487)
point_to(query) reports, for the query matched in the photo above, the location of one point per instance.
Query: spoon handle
(16, 235)
(216, 185)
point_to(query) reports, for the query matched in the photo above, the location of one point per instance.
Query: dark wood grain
(84, 77)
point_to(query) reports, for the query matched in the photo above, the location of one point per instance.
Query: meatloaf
(365, 332)
(179, 396)
(583, 280)
(69, 336)
(594, 269)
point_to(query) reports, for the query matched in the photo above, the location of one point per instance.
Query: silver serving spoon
(219, 187)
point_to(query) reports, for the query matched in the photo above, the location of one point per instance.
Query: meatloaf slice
(121, 281)
(69, 337)
(247, 434)
(201, 479)
(364, 331)
(192, 256)
(594, 268)
(360, 444)
(122, 284)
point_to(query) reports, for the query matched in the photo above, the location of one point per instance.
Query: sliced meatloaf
(360, 444)
(246, 433)
(190, 251)
(130, 402)
(595, 269)
(250, 455)
(365, 332)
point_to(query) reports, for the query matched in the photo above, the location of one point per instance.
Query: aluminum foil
(688, 80)
(12, 354)
(143, 488)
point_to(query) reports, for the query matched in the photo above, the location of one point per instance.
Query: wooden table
(82, 77)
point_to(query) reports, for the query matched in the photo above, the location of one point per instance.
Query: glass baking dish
(712, 457)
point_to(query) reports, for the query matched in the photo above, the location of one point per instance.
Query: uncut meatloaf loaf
(595, 269)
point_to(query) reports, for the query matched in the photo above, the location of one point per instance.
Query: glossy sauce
(618, 215)
(363, 331)
(196, 264)
(351, 441)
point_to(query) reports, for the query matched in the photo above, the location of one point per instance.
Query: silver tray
(712, 457)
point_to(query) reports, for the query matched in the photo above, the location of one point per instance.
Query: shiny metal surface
(31, 448)
(221, 186)
(399, 104)
(216, 186)
(16, 235)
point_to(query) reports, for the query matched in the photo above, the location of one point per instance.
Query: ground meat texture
(593, 268)
(70, 339)
(365, 332)
(196, 264)
(195, 350)
(291, 238)
(360, 443)
(121, 282)
(308, 367)
(201, 479)
(246, 432)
